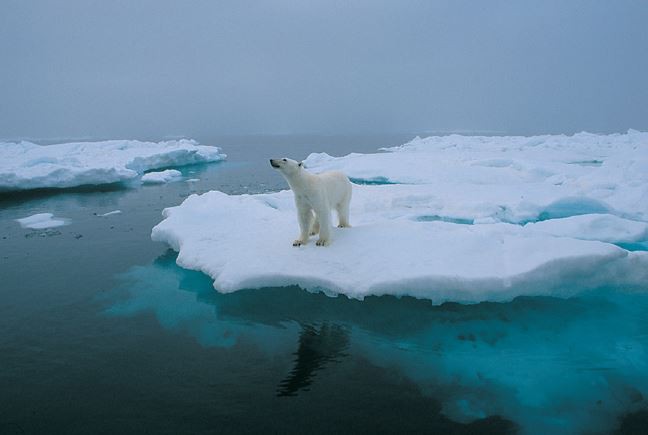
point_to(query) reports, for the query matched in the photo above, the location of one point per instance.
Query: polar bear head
(288, 167)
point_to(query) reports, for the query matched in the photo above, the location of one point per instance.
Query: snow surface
(161, 176)
(42, 221)
(486, 219)
(583, 173)
(26, 165)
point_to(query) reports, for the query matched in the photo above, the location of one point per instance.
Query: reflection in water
(16, 197)
(318, 346)
(550, 365)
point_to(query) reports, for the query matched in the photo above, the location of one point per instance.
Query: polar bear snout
(274, 163)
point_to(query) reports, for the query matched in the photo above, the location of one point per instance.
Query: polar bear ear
(301, 164)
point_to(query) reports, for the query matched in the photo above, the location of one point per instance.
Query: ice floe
(42, 221)
(26, 165)
(161, 177)
(245, 242)
(459, 231)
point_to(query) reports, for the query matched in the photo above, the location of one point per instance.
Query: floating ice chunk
(244, 242)
(42, 221)
(26, 165)
(110, 213)
(161, 176)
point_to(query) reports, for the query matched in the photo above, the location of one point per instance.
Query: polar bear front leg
(305, 217)
(324, 219)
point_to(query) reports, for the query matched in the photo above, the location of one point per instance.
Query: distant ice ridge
(26, 165)
(480, 219)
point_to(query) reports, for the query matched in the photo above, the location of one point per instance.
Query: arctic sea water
(100, 331)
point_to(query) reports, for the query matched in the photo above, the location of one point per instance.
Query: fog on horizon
(160, 68)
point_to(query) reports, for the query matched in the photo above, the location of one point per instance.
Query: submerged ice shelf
(26, 165)
(552, 366)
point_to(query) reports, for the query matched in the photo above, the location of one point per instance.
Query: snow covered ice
(42, 221)
(161, 177)
(584, 173)
(465, 219)
(26, 165)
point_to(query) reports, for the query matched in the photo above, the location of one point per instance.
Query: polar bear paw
(322, 242)
(299, 242)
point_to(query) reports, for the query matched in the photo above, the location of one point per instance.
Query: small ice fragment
(193, 180)
(110, 213)
(42, 221)
(161, 176)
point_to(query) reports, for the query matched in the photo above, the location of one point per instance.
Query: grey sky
(197, 68)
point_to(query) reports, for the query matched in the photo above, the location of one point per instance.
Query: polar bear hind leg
(315, 226)
(343, 212)
(324, 218)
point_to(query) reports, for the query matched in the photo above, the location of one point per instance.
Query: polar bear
(315, 196)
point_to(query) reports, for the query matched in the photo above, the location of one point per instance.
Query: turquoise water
(101, 332)
(549, 365)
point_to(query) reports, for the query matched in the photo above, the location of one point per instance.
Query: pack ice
(26, 165)
(450, 218)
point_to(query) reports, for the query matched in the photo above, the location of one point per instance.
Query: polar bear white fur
(315, 196)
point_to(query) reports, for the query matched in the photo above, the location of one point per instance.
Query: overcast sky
(197, 68)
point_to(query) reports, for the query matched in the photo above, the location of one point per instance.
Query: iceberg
(25, 165)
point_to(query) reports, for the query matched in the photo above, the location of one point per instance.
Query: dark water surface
(100, 332)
